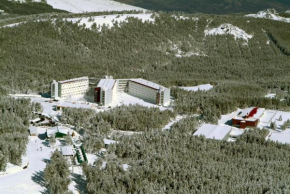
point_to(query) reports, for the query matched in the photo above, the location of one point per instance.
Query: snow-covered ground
(175, 120)
(204, 87)
(126, 99)
(81, 6)
(270, 14)
(29, 180)
(109, 20)
(229, 29)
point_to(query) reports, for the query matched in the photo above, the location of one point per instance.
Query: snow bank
(229, 29)
(109, 20)
(270, 14)
(204, 87)
(81, 6)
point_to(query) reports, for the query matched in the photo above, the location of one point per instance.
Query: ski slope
(81, 6)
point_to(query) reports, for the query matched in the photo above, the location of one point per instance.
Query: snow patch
(81, 6)
(270, 95)
(270, 14)
(109, 20)
(204, 87)
(229, 29)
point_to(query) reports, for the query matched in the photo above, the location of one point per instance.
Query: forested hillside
(210, 6)
(170, 51)
(26, 8)
(177, 162)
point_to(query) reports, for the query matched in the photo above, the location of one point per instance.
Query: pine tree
(56, 174)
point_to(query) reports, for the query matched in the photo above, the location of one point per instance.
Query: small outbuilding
(59, 131)
(68, 151)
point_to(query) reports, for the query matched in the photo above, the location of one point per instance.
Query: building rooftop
(213, 131)
(250, 114)
(106, 84)
(74, 79)
(61, 129)
(67, 151)
(281, 137)
(148, 83)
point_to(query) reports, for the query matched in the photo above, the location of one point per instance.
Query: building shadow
(42, 136)
(81, 184)
(46, 143)
(46, 161)
(229, 122)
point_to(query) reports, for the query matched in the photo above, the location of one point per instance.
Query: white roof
(213, 131)
(62, 129)
(236, 132)
(148, 83)
(281, 137)
(247, 111)
(33, 129)
(109, 141)
(74, 80)
(36, 120)
(106, 84)
(67, 150)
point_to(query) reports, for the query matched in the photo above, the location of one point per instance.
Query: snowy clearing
(109, 20)
(204, 87)
(175, 120)
(81, 6)
(270, 14)
(270, 95)
(229, 29)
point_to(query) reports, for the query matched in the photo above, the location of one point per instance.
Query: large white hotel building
(69, 88)
(107, 89)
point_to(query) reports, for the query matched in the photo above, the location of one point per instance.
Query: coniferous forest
(46, 47)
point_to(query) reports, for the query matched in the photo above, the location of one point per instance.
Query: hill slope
(210, 6)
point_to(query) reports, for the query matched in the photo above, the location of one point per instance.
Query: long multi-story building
(69, 88)
(107, 89)
(149, 91)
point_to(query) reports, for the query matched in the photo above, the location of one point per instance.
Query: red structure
(248, 118)
(97, 94)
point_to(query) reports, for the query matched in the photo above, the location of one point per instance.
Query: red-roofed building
(249, 117)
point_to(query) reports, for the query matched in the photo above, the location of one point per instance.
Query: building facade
(69, 88)
(149, 91)
(107, 90)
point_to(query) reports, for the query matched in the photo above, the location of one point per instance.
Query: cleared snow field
(204, 87)
(29, 180)
(81, 6)
(109, 20)
(270, 14)
(229, 29)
